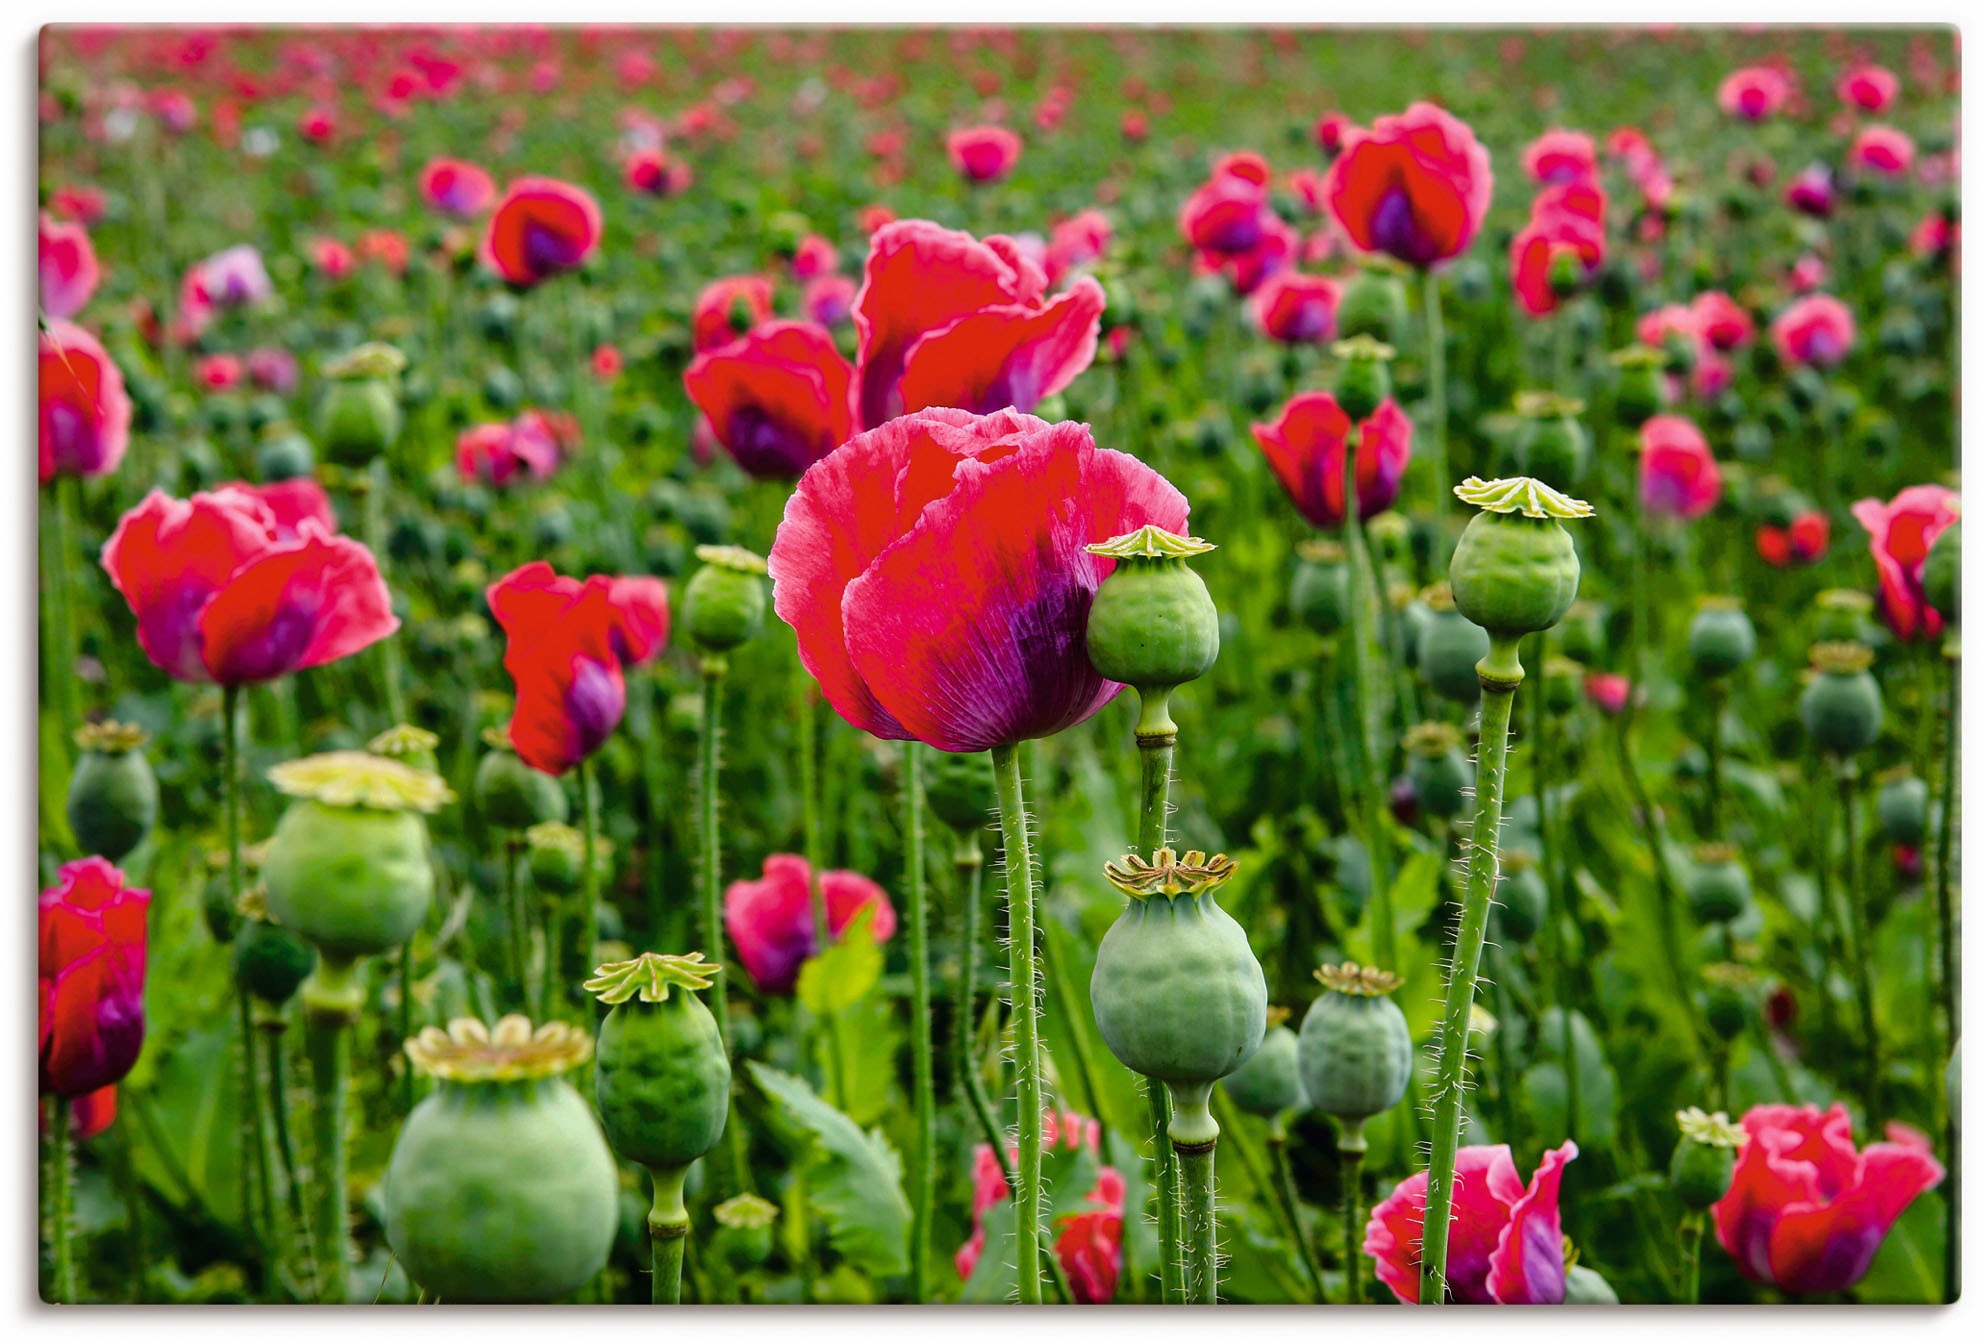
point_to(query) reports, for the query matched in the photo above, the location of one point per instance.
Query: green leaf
(854, 1177)
(846, 972)
(994, 1278)
(1909, 1267)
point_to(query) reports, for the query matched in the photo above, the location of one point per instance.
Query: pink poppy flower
(69, 271)
(1506, 1241)
(1678, 474)
(1899, 534)
(1816, 331)
(770, 920)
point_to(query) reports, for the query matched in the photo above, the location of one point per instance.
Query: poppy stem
(582, 953)
(1164, 1183)
(1350, 1147)
(1290, 1203)
(1500, 673)
(714, 668)
(668, 1233)
(1436, 400)
(299, 1215)
(925, 1189)
(332, 999)
(1201, 1228)
(1860, 932)
(252, 1180)
(1948, 986)
(61, 1192)
(1691, 1257)
(1155, 750)
(1718, 696)
(61, 611)
(969, 864)
(381, 484)
(1370, 719)
(1026, 1013)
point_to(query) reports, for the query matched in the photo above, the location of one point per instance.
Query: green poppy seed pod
(557, 856)
(510, 793)
(359, 417)
(348, 868)
(501, 1188)
(1550, 444)
(1269, 1082)
(661, 1078)
(269, 961)
(1562, 683)
(1841, 707)
(284, 454)
(1565, 273)
(1522, 900)
(1355, 1049)
(218, 902)
(1319, 592)
(1413, 617)
(409, 745)
(1728, 999)
(1704, 1159)
(1177, 993)
(723, 604)
(959, 790)
(498, 318)
(1373, 304)
(1441, 775)
(1903, 806)
(1718, 886)
(113, 797)
(1388, 533)
(1942, 571)
(1363, 375)
(1581, 633)
(1582, 1285)
(1450, 645)
(1639, 392)
(1153, 625)
(1720, 637)
(743, 1239)
(1515, 570)
(1841, 615)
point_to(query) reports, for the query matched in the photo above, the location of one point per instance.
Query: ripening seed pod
(1562, 683)
(269, 961)
(557, 857)
(1550, 444)
(1515, 570)
(959, 789)
(723, 604)
(743, 1240)
(359, 417)
(1355, 1049)
(408, 744)
(1363, 375)
(1721, 638)
(1450, 645)
(1319, 593)
(1841, 615)
(1718, 886)
(1153, 625)
(284, 454)
(501, 1188)
(1704, 1159)
(1270, 1082)
(661, 1078)
(1729, 1002)
(1522, 900)
(1581, 633)
(1639, 394)
(1841, 706)
(1903, 806)
(510, 793)
(1373, 304)
(1441, 775)
(1942, 572)
(113, 797)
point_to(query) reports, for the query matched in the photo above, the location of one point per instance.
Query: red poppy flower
(1753, 93)
(1305, 447)
(1559, 156)
(498, 455)
(1414, 186)
(1722, 321)
(540, 228)
(317, 125)
(1505, 1244)
(1331, 128)
(1811, 192)
(84, 413)
(1806, 1211)
(946, 319)
(545, 437)
(1882, 150)
(291, 502)
(456, 188)
(68, 268)
(78, 204)
(272, 368)
(1802, 542)
(219, 372)
(91, 1114)
(386, 246)
(1816, 330)
(1899, 534)
(813, 257)
(874, 218)
(1607, 692)
(727, 308)
(1229, 213)
(606, 362)
(1077, 242)
(1560, 233)
(829, 300)
(92, 970)
(770, 920)
(1089, 1243)
(333, 260)
(777, 397)
(654, 173)
(935, 571)
(222, 595)
(1272, 255)
(1868, 87)
(1133, 126)
(1808, 272)
(1678, 473)
(1933, 237)
(1296, 309)
(983, 153)
(568, 644)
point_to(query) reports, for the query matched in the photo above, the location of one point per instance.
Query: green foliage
(853, 1178)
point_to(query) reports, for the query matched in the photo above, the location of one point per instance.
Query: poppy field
(1045, 666)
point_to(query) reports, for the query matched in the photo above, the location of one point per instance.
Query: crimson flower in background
(291, 502)
(829, 300)
(1565, 235)
(498, 455)
(1089, 1243)
(770, 920)
(1305, 447)
(944, 319)
(727, 308)
(540, 228)
(272, 368)
(1414, 186)
(1870, 88)
(936, 573)
(1899, 533)
(1296, 309)
(606, 362)
(219, 372)
(91, 963)
(456, 188)
(1811, 192)
(1672, 327)
(1882, 150)
(983, 153)
(813, 257)
(1816, 331)
(1607, 692)
(1331, 127)
(77, 204)
(1802, 542)
(229, 279)
(1506, 1242)
(1722, 321)
(332, 259)
(1806, 1211)
(778, 397)
(221, 594)
(84, 413)
(1678, 473)
(386, 246)
(1808, 272)
(69, 271)
(654, 173)
(1076, 242)
(1560, 156)
(569, 644)
(1229, 214)
(543, 434)
(1753, 93)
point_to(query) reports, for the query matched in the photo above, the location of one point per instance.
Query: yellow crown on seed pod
(651, 977)
(1353, 979)
(746, 1211)
(1841, 658)
(355, 778)
(470, 1051)
(1151, 542)
(111, 737)
(1530, 497)
(1167, 873)
(396, 742)
(734, 557)
(1710, 1128)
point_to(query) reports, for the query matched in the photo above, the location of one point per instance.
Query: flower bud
(1441, 776)
(1355, 1049)
(1515, 570)
(360, 417)
(1718, 886)
(1639, 396)
(1319, 593)
(743, 1240)
(284, 454)
(959, 790)
(269, 961)
(1720, 637)
(1550, 444)
(1153, 625)
(1841, 706)
(113, 797)
(1704, 1160)
(513, 795)
(1903, 806)
(1269, 1083)
(1363, 375)
(1562, 683)
(1942, 571)
(1449, 647)
(723, 605)
(661, 1078)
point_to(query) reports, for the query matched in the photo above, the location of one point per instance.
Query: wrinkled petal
(1527, 1266)
(168, 558)
(1006, 356)
(777, 397)
(301, 604)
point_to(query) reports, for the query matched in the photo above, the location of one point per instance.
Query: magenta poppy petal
(1005, 357)
(302, 604)
(1527, 1266)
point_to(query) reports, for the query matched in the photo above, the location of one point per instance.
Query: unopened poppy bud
(1153, 625)
(743, 1240)
(1363, 375)
(1550, 444)
(360, 416)
(661, 1077)
(1515, 570)
(1566, 273)
(1441, 775)
(1450, 645)
(959, 789)
(1728, 999)
(1718, 886)
(1522, 900)
(1319, 593)
(510, 793)
(1705, 1158)
(723, 605)
(1942, 571)
(1270, 1082)
(1903, 806)
(1638, 397)
(269, 961)
(1720, 637)
(1356, 1048)
(113, 796)
(1841, 615)
(1373, 304)
(1841, 706)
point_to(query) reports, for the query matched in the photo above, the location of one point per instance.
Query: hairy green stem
(1948, 981)
(1291, 1207)
(714, 669)
(1436, 398)
(668, 1233)
(1201, 1229)
(1026, 1013)
(1350, 1147)
(1370, 721)
(581, 951)
(381, 482)
(61, 1193)
(299, 1215)
(1164, 1186)
(969, 865)
(925, 1187)
(1157, 739)
(1857, 928)
(330, 1069)
(1691, 1257)
(61, 664)
(1718, 697)
(1500, 673)
(252, 1171)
